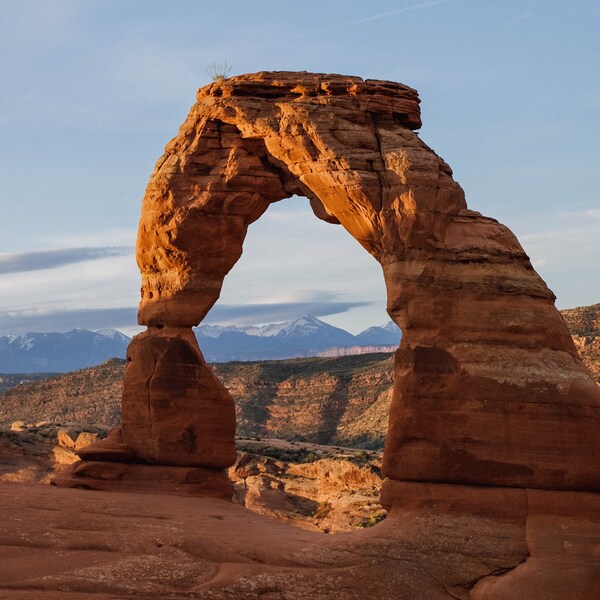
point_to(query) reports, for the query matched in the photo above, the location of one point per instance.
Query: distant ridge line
(304, 337)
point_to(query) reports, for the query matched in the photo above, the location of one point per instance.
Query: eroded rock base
(111, 465)
(440, 542)
(161, 479)
(556, 535)
(175, 411)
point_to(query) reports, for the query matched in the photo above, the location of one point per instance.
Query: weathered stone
(556, 535)
(175, 411)
(70, 543)
(66, 437)
(489, 388)
(110, 449)
(155, 479)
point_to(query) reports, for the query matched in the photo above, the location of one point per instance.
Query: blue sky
(94, 89)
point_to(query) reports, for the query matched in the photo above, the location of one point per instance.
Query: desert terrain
(487, 486)
(271, 541)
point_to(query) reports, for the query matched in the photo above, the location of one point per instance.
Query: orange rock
(489, 388)
(175, 411)
(111, 449)
(443, 542)
(156, 479)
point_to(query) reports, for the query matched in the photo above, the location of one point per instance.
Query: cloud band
(51, 259)
(26, 321)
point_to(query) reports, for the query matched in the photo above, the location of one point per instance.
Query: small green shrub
(373, 520)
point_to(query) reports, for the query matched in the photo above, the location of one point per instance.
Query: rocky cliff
(584, 324)
(342, 400)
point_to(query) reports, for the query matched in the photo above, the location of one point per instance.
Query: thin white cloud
(376, 17)
(106, 282)
(251, 314)
(567, 257)
(125, 318)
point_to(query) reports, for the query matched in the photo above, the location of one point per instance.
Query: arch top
(346, 143)
(397, 100)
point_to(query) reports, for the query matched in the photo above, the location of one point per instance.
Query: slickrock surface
(489, 389)
(440, 542)
(35, 452)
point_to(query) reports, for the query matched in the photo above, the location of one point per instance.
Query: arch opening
(288, 253)
(293, 264)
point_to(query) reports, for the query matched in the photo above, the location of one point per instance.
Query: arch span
(489, 388)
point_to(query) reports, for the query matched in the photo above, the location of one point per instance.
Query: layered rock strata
(489, 389)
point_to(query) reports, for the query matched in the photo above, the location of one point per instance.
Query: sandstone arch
(489, 388)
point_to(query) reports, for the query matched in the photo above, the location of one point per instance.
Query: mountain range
(340, 400)
(60, 352)
(307, 336)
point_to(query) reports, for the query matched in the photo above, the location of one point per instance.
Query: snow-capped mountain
(301, 327)
(307, 336)
(80, 348)
(113, 334)
(384, 335)
(60, 352)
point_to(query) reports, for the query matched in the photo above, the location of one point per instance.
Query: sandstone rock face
(488, 385)
(333, 493)
(175, 411)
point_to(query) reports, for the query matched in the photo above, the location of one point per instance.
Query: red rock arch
(489, 388)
